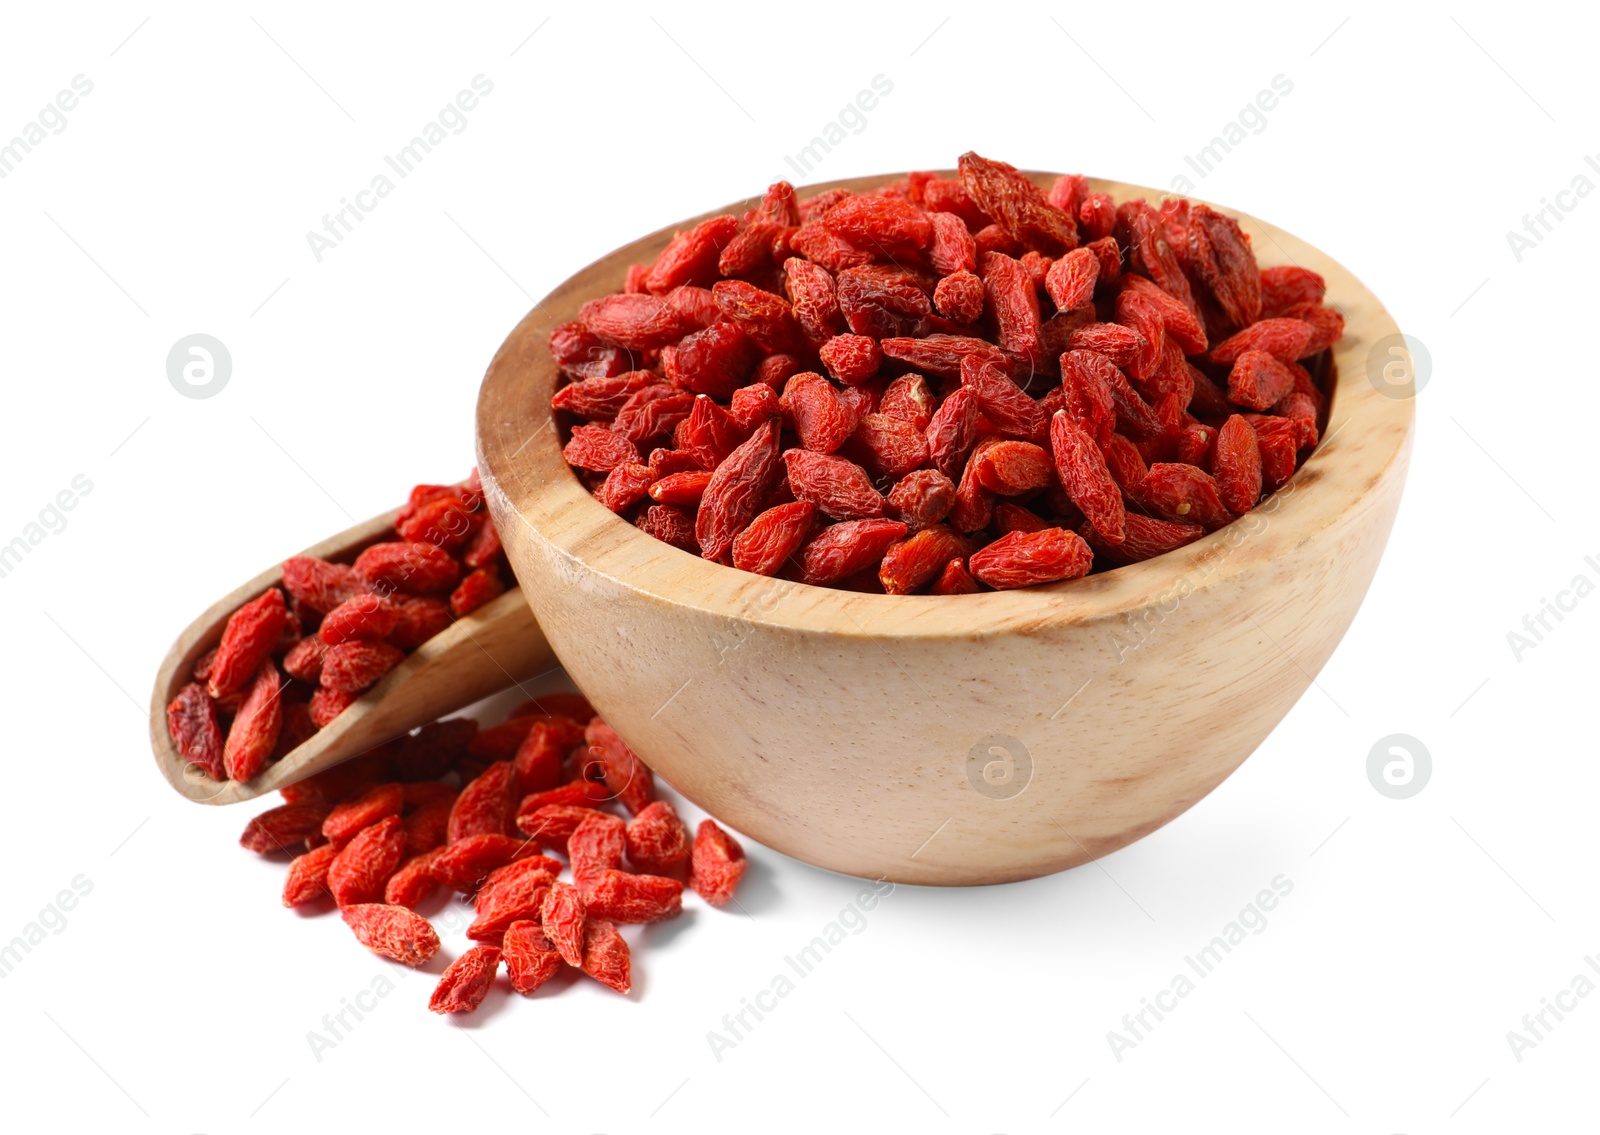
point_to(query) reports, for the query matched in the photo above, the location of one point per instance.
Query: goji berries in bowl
(941, 738)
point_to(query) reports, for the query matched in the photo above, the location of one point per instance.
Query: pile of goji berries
(288, 666)
(380, 834)
(947, 384)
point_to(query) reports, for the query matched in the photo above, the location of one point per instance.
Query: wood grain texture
(853, 731)
(488, 650)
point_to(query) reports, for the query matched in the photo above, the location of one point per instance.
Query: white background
(178, 995)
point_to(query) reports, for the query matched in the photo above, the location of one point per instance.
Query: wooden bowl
(948, 740)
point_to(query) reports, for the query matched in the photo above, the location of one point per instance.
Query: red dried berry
(307, 880)
(192, 724)
(959, 297)
(605, 955)
(597, 844)
(417, 619)
(1184, 493)
(634, 322)
(352, 667)
(485, 805)
(474, 591)
(1287, 286)
(717, 863)
(657, 841)
(1017, 205)
(1021, 559)
(844, 549)
(1012, 468)
(626, 776)
(304, 660)
(773, 537)
(393, 932)
(345, 821)
(922, 498)
(1258, 380)
(361, 868)
(691, 257)
(1237, 465)
(820, 419)
(318, 584)
(1283, 339)
(531, 958)
(465, 863)
(254, 732)
(915, 561)
(328, 704)
(738, 486)
(414, 881)
(838, 487)
(252, 631)
(466, 982)
(599, 449)
(618, 896)
(1071, 279)
(366, 617)
(562, 916)
(1085, 477)
(851, 359)
(416, 569)
(283, 828)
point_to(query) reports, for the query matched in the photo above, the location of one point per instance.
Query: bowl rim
(527, 480)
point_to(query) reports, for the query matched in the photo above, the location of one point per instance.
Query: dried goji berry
(553, 824)
(485, 805)
(1086, 478)
(466, 982)
(540, 757)
(735, 492)
(304, 660)
(367, 617)
(910, 563)
(1220, 254)
(307, 880)
(1012, 468)
(362, 867)
(626, 776)
(772, 537)
(467, 862)
(766, 318)
(598, 398)
(1288, 285)
(478, 588)
(955, 579)
(618, 896)
(513, 899)
(599, 449)
(346, 820)
(717, 863)
(531, 958)
(284, 828)
(922, 498)
(657, 841)
(1071, 279)
(192, 723)
(417, 619)
(1258, 380)
(959, 296)
(887, 447)
(838, 487)
(1020, 559)
(318, 584)
(254, 732)
(1237, 465)
(392, 931)
(414, 881)
(251, 633)
(596, 845)
(562, 916)
(1017, 205)
(635, 322)
(1283, 339)
(715, 361)
(416, 569)
(1184, 493)
(1009, 409)
(846, 548)
(868, 222)
(1013, 302)
(352, 667)
(851, 359)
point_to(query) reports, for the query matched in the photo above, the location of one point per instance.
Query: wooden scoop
(494, 647)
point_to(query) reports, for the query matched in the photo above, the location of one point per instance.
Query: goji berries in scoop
(976, 351)
(336, 629)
